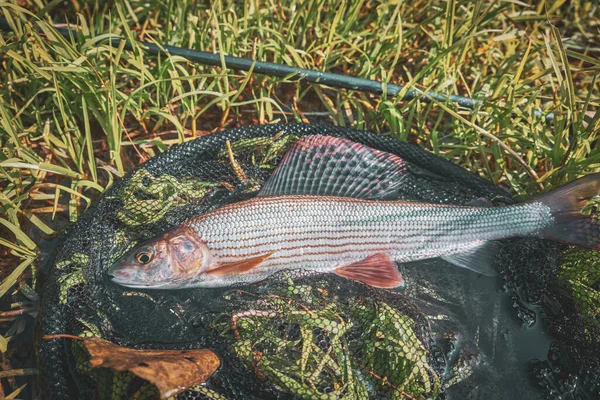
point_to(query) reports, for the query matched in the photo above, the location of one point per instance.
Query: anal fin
(377, 270)
(238, 267)
(479, 258)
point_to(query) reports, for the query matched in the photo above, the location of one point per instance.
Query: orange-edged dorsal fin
(378, 270)
(329, 166)
(238, 267)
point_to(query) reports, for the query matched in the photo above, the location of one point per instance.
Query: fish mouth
(124, 277)
(131, 285)
(127, 279)
(119, 273)
(128, 283)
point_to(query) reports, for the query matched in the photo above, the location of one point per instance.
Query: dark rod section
(300, 74)
(294, 73)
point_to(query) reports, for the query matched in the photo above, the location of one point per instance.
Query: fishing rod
(295, 73)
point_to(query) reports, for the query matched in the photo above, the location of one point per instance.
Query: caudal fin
(566, 204)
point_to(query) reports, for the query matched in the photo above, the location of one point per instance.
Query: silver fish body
(326, 209)
(322, 233)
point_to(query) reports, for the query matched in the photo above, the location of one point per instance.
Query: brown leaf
(172, 371)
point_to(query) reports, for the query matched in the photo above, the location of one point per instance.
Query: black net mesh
(451, 333)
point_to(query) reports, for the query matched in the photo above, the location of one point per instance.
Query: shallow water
(481, 311)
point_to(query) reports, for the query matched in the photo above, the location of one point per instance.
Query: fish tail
(566, 205)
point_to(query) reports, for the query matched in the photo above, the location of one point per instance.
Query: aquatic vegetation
(390, 348)
(261, 152)
(580, 273)
(309, 345)
(147, 198)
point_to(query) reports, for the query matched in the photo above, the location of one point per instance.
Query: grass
(77, 113)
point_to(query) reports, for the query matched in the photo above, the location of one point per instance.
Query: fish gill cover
(450, 334)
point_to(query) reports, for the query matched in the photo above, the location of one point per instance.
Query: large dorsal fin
(329, 166)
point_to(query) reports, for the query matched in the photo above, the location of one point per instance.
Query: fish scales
(318, 231)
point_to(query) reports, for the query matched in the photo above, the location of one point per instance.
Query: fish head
(163, 261)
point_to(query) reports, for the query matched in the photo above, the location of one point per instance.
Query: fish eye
(144, 256)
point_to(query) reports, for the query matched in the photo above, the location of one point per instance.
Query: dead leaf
(172, 371)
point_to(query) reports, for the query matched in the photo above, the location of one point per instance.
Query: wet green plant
(309, 345)
(580, 274)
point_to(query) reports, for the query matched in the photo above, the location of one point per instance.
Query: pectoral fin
(237, 267)
(378, 270)
(480, 258)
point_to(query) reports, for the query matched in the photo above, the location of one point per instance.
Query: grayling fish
(322, 210)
